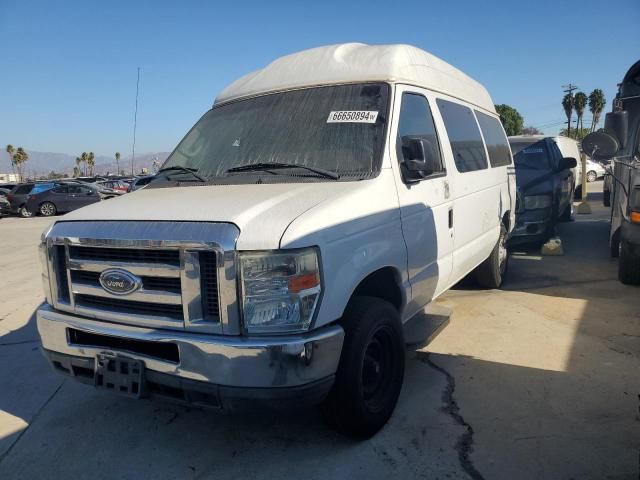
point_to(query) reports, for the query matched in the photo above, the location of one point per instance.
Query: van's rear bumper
(220, 371)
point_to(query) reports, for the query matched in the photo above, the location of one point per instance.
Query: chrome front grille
(178, 266)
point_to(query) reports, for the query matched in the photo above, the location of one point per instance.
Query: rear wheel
(24, 212)
(48, 209)
(592, 176)
(567, 214)
(492, 272)
(371, 369)
(628, 265)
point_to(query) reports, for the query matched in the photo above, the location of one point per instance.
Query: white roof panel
(357, 62)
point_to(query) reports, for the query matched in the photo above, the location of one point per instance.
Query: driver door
(425, 205)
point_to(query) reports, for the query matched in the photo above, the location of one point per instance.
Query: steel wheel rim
(377, 369)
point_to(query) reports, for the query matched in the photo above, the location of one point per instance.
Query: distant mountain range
(41, 163)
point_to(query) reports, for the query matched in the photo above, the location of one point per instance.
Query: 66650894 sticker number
(352, 116)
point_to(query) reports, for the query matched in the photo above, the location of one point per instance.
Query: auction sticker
(352, 116)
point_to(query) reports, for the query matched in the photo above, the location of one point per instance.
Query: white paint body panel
(361, 226)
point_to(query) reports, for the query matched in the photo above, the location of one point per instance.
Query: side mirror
(617, 125)
(418, 158)
(567, 163)
(600, 145)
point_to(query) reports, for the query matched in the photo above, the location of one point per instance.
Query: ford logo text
(119, 282)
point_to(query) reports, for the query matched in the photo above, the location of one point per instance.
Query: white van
(307, 217)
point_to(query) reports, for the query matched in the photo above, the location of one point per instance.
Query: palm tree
(567, 104)
(19, 159)
(579, 104)
(91, 162)
(11, 151)
(83, 158)
(117, 163)
(77, 167)
(596, 106)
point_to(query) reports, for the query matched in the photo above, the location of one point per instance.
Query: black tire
(606, 198)
(614, 245)
(566, 215)
(24, 212)
(628, 265)
(591, 176)
(48, 209)
(371, 369)
(492, 272)
(577, 193)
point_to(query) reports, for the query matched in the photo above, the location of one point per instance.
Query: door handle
(451, 218)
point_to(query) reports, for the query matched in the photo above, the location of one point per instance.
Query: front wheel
(492, 272)
(48, 209)
(371, 369)
(592, 176)
(628, 264)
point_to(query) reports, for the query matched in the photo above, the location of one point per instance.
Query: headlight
(533, 202)
(280, 290)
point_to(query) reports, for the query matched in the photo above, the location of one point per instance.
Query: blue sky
(67, 82)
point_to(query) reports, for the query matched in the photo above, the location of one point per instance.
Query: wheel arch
(384, 283)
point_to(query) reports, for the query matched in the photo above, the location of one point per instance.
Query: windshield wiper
(180, 168)
(270, 165)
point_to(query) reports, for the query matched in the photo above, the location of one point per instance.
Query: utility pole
(135, 122)
(569, 89)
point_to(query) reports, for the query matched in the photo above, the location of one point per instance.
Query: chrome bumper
(239, 362)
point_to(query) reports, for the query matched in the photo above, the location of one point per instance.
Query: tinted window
(464, 136)
(60, 189)
(533, 155)
(416, 121)
(23, 189)
(495, 140)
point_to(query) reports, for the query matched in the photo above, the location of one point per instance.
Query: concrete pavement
(539, 380)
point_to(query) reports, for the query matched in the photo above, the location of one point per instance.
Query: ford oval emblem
(119, 282)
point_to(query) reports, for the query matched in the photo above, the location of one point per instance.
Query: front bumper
(232, 371)
(531, 225)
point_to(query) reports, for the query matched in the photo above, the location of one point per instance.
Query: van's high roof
(357, 62)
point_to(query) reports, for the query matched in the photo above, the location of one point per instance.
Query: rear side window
(23, 189)
(464, 136)
(416, 121)
(495, 140)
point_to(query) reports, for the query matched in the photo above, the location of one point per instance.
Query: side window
(495, 140)
(416, 121)
(464, 136)
(60, 189)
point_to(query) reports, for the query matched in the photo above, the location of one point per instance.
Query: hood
(261, 212)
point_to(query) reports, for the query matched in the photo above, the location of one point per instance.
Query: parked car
(545, 187)
(331, 208)
(18, 198)
(64, 197)
(141, 182)
(619, 143)
(114, 185)
(5, 206)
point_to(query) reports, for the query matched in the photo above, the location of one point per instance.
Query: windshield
(336, 128)
(532, 155)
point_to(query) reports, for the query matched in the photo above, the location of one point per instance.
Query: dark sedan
(545, 185)
(64, 197)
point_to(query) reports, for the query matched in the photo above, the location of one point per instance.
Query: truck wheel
(48, 209)
(492, 272)
(628, 265)
(567, 215)
(371, 369)
(591, 176)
